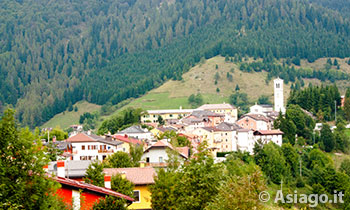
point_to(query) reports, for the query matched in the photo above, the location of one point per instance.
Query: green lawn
(65, 119)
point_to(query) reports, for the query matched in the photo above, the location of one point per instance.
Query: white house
(92, 147)
(263, 109)
(244, 140)
(267, 136)
(156, 154)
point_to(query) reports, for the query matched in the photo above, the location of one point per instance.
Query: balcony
(105, 151)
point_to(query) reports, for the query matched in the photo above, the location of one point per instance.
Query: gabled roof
(138, 176)
(211, 129)
(216, 106)
(164, 144)
(163, 129)
(83, 137)
(132, 129)
(225, 126)
(90, 187)
(257, 117)
(205, 113)
(127, 139)
(268, 132)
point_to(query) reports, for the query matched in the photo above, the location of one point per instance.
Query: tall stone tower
(278, 94)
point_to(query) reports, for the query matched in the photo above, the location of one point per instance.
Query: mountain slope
(54, 54)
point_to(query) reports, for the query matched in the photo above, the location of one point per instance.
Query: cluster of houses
(216, 124)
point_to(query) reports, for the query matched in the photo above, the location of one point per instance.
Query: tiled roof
(216, 106)
(138, 176)
(211, 129)
(90, 187)
(268, 132)
(184, 151)
(83, 137)
(163, 129)
(205, 113)
(257, 117)
(127, 139)
(132, 129)
(228, 126)
(164, 144)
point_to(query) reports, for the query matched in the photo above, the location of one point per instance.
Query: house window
(83, 147)
(161, 159)
(137, 196)
(171, 115)
(147, 159)
(88, 147)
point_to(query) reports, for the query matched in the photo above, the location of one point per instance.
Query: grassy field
(65, 119)
(200, 79)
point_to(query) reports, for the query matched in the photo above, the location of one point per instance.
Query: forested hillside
(55, 53)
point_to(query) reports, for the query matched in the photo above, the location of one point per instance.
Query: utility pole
(335, 112)
(300, 165)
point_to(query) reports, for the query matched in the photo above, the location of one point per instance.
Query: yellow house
(125, 147)
(218, 139)
(156, 132)
(141, 178)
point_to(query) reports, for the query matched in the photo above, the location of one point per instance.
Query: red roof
(268, 132)
(90, 187)
(138, 176)
(81, 137)
(127, 139)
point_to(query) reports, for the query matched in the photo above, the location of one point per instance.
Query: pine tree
(327, 138)
(347, 105)
(335, 63)
(94, 174)
(237, 88)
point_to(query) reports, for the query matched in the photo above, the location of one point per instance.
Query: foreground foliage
(23, 182)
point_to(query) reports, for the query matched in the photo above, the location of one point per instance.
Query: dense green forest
(55, 53)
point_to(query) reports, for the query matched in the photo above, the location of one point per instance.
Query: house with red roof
(142, 178)
(255, 122)
(81, 195)
(126, 141)
(156, 155)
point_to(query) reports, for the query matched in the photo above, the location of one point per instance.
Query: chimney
(108, 137)
(60, 169)
(123, 174)
(142, 164)
(108, 181)
(46, 168)
(89, 132)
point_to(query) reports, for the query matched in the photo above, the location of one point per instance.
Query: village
(216, 124)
